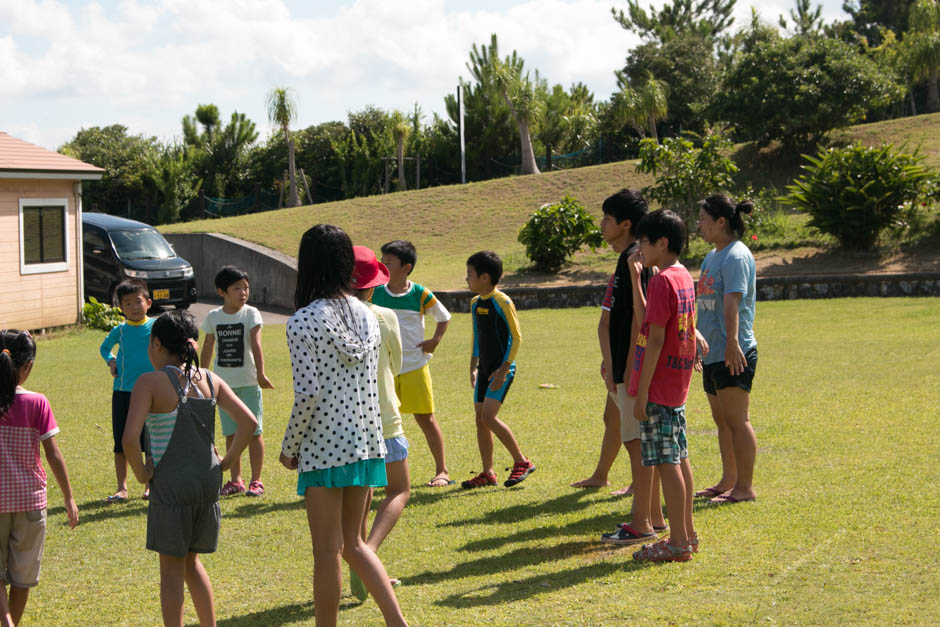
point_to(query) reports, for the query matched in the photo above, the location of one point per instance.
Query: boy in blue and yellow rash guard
(132, 338)
(496, 340)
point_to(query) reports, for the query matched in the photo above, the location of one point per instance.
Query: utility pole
(463, 151)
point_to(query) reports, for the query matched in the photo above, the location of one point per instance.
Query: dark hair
(227, 275)
(721, 206)
(404, 250)
(175, 329)
(128, 287)
(626, 205)
(325, 265)
(487, 262)
(18, 349)
(663, 223)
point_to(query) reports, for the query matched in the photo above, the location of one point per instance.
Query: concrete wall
(272, 274)
(273, 278)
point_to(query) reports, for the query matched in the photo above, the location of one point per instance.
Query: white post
(79, 250)
(463, 152)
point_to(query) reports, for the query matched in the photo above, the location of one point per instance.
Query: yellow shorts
(414, 390)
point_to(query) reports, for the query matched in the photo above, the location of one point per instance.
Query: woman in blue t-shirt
(726, 297)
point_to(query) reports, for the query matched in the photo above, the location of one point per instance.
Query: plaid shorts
(663, 435)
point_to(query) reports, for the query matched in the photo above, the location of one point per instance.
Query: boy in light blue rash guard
(132, 338)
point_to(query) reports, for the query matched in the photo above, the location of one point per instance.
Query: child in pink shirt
(25, 420)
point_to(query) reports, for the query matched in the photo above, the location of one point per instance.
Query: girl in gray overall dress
(177, 403)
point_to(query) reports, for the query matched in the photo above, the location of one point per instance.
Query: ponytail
(178, 334)
(17, 349)
(721, 206)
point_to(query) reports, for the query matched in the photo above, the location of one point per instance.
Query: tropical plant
(685, 174)
(221, 157)
(805, 18)
(557, 231)
(703, 18)
(282, 109)
(644, 105)
(401, 129)
(100, 315)
(923, 42)
(556, 123)
(517, 90)
(856, 192)
(796, 90)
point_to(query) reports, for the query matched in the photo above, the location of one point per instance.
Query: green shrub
(555, 232)
(686, 174)
(101, 316)
(855, 193)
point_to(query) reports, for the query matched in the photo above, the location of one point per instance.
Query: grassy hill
(447, 224)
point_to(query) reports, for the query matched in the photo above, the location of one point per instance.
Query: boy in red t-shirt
(662, 370)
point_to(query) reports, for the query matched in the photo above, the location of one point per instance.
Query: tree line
(786, 85)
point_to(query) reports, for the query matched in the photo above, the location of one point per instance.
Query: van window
(141, 244)
(93, 240)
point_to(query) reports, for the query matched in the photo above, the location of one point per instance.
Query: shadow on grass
(566, 503)
(591, 527)
(258, 508)
(509, 591)
(283, 615)
(519, 558)
(93, 511)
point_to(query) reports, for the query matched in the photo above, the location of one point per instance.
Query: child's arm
(603, 337)
(429, 345)
(512, 321)
(734, 356)
(635, 263)
(440, 314)
(141, 401)
(258, 354)
(245, 421)
(208, 345)
(57, 465)
(105, 350)
(654, 346)
(394, 343)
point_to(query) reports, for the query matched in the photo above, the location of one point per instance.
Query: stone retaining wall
(274, 276)
(768, 288)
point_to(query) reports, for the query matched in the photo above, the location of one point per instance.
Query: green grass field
(844, 529)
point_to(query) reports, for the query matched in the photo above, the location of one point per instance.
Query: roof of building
(19, 159)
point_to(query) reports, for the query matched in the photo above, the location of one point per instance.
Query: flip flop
(115, 498)
(727, 499)
(709, 493)
(440, 482)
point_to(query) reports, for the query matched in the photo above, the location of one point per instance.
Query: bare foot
(590, 482)
(627, 491)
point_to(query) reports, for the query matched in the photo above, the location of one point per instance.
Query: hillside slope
(447, 224)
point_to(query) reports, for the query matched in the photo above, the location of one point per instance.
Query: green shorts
(663, 435)
(365, 472)
(250, 396)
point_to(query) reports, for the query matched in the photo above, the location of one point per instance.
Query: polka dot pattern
(334, 351)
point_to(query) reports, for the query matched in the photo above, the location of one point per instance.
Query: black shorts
(120, 405)
(716, 376)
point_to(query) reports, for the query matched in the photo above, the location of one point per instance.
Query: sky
(67, 65)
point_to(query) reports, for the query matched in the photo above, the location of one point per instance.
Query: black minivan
(117, 248)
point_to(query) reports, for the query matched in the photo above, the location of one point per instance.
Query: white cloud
(146, 64)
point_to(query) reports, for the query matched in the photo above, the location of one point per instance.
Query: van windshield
(141, 244)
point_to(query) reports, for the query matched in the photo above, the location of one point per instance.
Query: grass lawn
(844, 529)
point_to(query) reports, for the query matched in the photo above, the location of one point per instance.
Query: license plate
(161, 294)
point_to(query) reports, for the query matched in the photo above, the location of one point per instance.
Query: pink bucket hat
(368, 271)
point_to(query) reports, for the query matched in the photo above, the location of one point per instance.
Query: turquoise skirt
(366, 472)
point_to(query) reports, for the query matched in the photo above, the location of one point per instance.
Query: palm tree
(282, 109)
(643, 107)
(517, 90)
(923, 38)
(401, 128)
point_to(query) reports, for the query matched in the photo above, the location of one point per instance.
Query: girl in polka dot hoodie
(334, 436)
